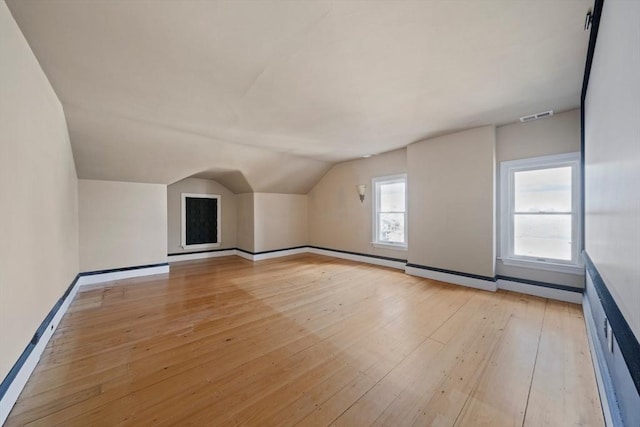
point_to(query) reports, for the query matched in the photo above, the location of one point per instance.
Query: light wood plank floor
(313, 341)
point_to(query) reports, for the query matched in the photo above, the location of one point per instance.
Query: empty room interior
(354, 213)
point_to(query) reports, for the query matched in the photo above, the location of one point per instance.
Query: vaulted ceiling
(266, 95)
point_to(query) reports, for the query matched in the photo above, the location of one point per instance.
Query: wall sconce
(361, 189)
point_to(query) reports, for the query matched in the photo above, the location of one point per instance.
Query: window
(200, 221)
(390, 211)
(540, 213)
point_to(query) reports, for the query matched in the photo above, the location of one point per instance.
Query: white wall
(122, 224)
(280, 221)
(38, 195)
(451, 196)
(199, 186)
(612, 151)
(245, 238)
(337, 218)
(553, 135)
(451, 202)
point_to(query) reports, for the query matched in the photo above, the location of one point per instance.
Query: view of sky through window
(392, 207)
(542, 223)
(543, 190)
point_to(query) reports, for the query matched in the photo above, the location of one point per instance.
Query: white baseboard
(270, 255)
(119, 275)
(540, 291)
(244, 255)
(471, 282)
(286, 252)
(603, 379)
(278, 254)
(201, 255)
(19, 381)
(360, 258)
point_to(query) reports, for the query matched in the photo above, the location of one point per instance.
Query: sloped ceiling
(155, 91)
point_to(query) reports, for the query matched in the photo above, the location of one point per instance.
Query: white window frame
(183, 197)
(507, 213)
(375, 185)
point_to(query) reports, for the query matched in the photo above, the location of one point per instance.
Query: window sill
(203, 246)
(389, 246)
(548, 266)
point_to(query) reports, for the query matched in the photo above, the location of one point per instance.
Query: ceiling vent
(537, 116)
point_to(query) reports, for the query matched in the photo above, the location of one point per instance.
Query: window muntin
(540, 215)
(390, 211)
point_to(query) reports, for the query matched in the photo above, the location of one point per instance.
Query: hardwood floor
(312, 341)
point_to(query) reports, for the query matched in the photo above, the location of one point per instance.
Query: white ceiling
(155, 91)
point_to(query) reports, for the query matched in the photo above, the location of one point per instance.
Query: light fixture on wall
(361, 189)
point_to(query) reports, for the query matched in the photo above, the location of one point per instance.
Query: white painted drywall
(38, 195)
(122, 224)
(337, 218)
(452, 200)
(280, 221)
(612, 151)
(245, 222)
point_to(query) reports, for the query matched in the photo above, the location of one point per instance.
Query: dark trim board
(13, 372)
(629, 345)
(477, 281)
(289, 249)
(235, 249)
(272, 250)
(205, 251)
(541, 284)
(399, 260)
(13, 383)
(618, 391)
(117, 270)
(593, 37)
(17, 377)
(293, 248)
(566, 293)
(6, 382)
(457, 273)
(386, 258)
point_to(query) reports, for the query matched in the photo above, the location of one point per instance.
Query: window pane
(391, 227)
(392, 197)
(543, 190)
(201, 220)
(543, 236)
